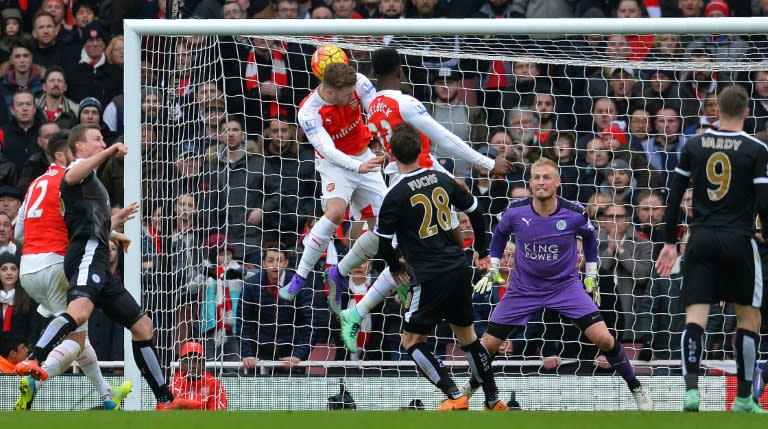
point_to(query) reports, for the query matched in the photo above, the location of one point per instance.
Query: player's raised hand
(125, 214)
(502, 166)
(373, 164)
(118, 150)
(123, 240)
(666, 260)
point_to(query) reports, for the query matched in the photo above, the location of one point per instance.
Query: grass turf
(372, 420)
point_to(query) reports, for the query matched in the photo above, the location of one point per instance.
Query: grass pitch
(374, 419)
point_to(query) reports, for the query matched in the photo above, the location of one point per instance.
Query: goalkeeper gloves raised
(590, 282)
(493, 276)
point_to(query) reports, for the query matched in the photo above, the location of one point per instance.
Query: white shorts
(393, 176)
(48, 287)
(358, 190)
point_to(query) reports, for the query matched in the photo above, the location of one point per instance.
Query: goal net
(228, 188)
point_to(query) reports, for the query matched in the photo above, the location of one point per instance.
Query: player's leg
(494, 336)
(351, 318)
(119, 306)
(747, 340)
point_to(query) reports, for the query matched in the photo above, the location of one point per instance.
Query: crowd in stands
(229, 185)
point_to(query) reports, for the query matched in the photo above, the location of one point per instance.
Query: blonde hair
(546, 162)
(110, 50)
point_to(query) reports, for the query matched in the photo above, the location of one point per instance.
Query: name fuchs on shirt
(541, 251)
(422, 182)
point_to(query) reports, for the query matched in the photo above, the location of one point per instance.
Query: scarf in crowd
(224, 316)
(279, 74)
(6, 303)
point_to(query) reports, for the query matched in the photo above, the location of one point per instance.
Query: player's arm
(18, 230)
(312, 124)
(414, 112)
(386, 226)
(668, 255)
(760, 180)
(466, 202)
(365, 90)
(82, 169)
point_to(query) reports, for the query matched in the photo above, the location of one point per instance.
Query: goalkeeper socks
(146, 359)
(61, 357)
(315, 244)
(365, 248)
(746, 355)
(691, 354)
(617, 357)
(379, 291)
(432, 368)
(59, 328)
(482, 372)
(89, 363)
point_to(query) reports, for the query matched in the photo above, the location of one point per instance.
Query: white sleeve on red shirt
(414, 113)
(18, 230)
(365, 90)
(312, 123)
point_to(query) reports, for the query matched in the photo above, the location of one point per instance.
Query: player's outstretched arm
(668, 255)
(589, 245)
(82, 169)
(125, 214)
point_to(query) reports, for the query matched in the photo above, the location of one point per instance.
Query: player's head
(13, 347)
(405, 144)
(338, 85)
(192, 359)
(545, 179)
(386, 62)
(85, 140)
(733, 103)
(58, 148)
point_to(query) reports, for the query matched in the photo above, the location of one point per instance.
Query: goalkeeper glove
(590, 282)
(485, 284)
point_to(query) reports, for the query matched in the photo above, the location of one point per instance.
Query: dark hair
(22, 42)
(9, 341)
(406, 143)
(338, 75)
(385, 61)
(732, 102)
(58, 142)
(54, 69)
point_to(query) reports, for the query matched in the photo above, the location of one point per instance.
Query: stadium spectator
(54, 105)
(591, 175)
(603, 113)
(619, 183)
(18, 137)
(639, 44)
(708, 119)
(115, 51)
(639, 127)
(10, 201)
(618, 143)
(58, 9)
(231, 9)
(13, 349)
(47, 51)
(550, 119)
(12, 21)
(191, 174)
(286, 9)
(20, 73)
(232, 137)
(721, 47)
(345, 9)
(663, 148)
(544, 9)
(561, 148)
(38, 162)
(667, 47)
(18, 315)
(690, 8)
(321, 11)
(238, 197)
(6, 231)
(451, 111)
(89, 112)
(273, 328)
(626, 258)
(92, 75)
(194, 387)
(392, 9)
(290, 190)
(758, 108)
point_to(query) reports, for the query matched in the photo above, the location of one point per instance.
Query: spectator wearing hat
(194, 387)
(18, 140)
(11, 198)
(12, 21)
(38, 162)
(19, 73)
(90, 112)
(18, 313)
(13, 349)
(721, 47)
(619, 183)
(450, 110)
(93, 76)
(618, 141)
(54, 105)
(48, 51)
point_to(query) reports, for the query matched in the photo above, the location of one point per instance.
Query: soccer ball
(324, 55)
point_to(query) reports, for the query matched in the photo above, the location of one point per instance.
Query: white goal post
(134, 30)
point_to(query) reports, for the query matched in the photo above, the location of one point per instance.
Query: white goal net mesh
(228, 178)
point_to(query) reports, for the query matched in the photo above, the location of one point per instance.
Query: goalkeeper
(546, 228)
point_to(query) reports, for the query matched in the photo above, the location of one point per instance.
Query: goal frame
(134, 29)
